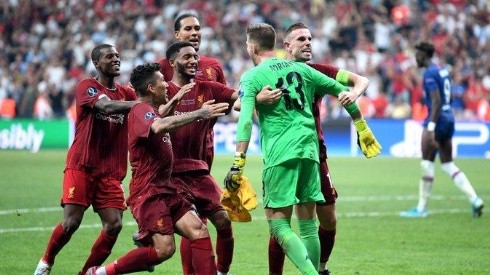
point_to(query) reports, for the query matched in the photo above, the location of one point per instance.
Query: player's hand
(347, 97)
(267, 96)
(184, 90)
(368, 143)
(210, 110)
(233, 177)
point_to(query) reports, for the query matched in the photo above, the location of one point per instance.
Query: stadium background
(46, 48)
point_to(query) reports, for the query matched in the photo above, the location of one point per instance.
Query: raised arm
(209, 110)
(108, 106)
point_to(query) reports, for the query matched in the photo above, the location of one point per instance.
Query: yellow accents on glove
(366, 139)
(238, 203)
(232, 179)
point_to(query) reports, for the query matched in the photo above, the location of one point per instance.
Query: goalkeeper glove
(368, 143)
(232, 179)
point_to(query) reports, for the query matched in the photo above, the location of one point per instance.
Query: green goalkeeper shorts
(292, 182)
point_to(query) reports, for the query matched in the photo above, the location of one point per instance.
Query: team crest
(200, 99)
(149, 115)
(91, 91)
(209, 73)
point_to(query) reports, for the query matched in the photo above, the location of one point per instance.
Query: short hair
(175, 48)
(179, 18)
(293, 27)
(263, 35)
(97, 51)
(426, 47)
(143, 75)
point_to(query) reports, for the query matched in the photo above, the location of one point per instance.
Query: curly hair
(426, 47)
(143, 75)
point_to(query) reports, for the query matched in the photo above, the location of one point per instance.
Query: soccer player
(96, 162)
(297, 44)
(191, 172)
(289, 143)
(188, 29)
(154, 202)
(437, 135)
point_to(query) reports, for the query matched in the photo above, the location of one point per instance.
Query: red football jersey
(189, 142)
(100, 146)
(208, 69)
(330, 71)
(150, 154)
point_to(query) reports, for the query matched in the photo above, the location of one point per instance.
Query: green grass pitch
(371, 238)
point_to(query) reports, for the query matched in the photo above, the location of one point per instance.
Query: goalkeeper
(289, 144)
(297, 45)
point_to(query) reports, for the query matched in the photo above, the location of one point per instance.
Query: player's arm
(435, 111)
(168, 108)
(266, 96)
(108, 106)
(209, 110)
(367, 141)
(243, 133)
(358, 83)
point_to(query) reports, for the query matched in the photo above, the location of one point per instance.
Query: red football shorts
(158, 214)
(84, 189)
(200, 189)
(328, 189)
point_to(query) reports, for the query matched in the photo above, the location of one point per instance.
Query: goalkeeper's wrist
(431, 126)
(360, 124)
(239, 159)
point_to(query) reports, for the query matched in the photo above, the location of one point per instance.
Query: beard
(182, 71)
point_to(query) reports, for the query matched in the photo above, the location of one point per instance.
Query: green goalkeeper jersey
(287, 128)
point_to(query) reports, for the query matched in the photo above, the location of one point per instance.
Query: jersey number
(298, 103)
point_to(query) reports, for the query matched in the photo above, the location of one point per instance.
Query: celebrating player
(155, 204)
(297, 43)
(188, 29)
(289, 143)
(191, 172)
(97, 160)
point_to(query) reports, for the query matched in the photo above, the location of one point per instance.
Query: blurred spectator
(399, 108)
(7, 107)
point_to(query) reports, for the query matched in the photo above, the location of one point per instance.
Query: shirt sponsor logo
(115, 118)
(91, 91)
(184, 102)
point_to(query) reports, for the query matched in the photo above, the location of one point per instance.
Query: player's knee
(165, 252)
(327, 216)
(71, 224)
(427, 168)
(450, 168)
(199, 232)
(113, 228)
(221, 220)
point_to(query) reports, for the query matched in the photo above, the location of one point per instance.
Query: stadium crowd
(45, 46)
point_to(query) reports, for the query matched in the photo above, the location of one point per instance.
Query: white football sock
(460, 180)
(425, 184)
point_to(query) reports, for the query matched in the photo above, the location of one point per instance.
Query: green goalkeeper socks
(308, 230)
(292, 245)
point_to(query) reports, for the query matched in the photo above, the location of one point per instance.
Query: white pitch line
(341, 199)
(254, 217)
